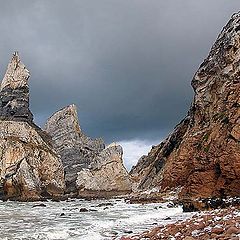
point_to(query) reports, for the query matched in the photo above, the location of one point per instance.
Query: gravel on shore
(219, 224)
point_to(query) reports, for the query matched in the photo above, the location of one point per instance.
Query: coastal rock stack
(201, 158)
(37, 164)
(75, 148)
(106, 175)
(29, 167)
(90, 168)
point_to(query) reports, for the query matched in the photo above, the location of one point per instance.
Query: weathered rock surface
(106, 176)
(29, 167)
(77, 150)
(90, 170)
(202, 155)
(14, 95)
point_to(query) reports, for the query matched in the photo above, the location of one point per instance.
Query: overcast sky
(126, 64)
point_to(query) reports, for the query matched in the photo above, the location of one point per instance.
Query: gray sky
(126, 64)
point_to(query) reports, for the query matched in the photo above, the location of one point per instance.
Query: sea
(77, 219)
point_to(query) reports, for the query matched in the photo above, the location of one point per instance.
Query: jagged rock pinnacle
(71, 123)
(75, 148)
(16, 75)
(88, 166)
(14, 92)
(29, 166)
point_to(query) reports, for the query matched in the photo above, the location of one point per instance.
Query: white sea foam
(63, 220)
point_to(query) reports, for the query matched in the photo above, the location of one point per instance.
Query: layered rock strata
(14, 92)
(90, 168)
(202, 156)
(29, 167)
(77, 150)
(106, 175)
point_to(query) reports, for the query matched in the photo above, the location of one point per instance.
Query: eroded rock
(202, 156)
(106, 176)
(14, 92)
(29, 166)
(77, 150)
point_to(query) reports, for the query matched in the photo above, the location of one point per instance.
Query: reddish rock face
(202, 155)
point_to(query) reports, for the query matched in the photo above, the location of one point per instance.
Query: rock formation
(14, 95)
(106, 175)
(29, 167)
(87, 164)
(75, 148)
(202, 155)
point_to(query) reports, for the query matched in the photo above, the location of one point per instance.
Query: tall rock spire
(29, 166)
(16, 75)
(75, 148)
(14, 92)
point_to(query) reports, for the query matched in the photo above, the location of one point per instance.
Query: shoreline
(216, 224)
(177, 225)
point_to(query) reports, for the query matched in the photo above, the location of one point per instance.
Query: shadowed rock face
(202, 155)
(106, 175)
(14, 95)
(77, 150)
(91, 170)
(29, 167)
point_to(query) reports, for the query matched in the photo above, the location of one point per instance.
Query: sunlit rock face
(29, 166)
(106, 175)
(77, 150)
(202, 155)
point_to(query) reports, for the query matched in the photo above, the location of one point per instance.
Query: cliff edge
(201, 157)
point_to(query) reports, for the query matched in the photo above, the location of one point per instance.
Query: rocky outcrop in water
(202, 156)
(75, 148)
(106, 175)
(29, 167)
(90, 169)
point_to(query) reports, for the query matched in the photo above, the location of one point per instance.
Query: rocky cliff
(75, 148)
(29, 167)
(106, 175)
(202, 155)
(88, 165)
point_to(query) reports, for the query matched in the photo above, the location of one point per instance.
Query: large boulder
(77, 150)
(29, 167)
(201, 158)
(106, 176)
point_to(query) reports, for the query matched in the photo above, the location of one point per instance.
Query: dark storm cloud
(127, 64)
